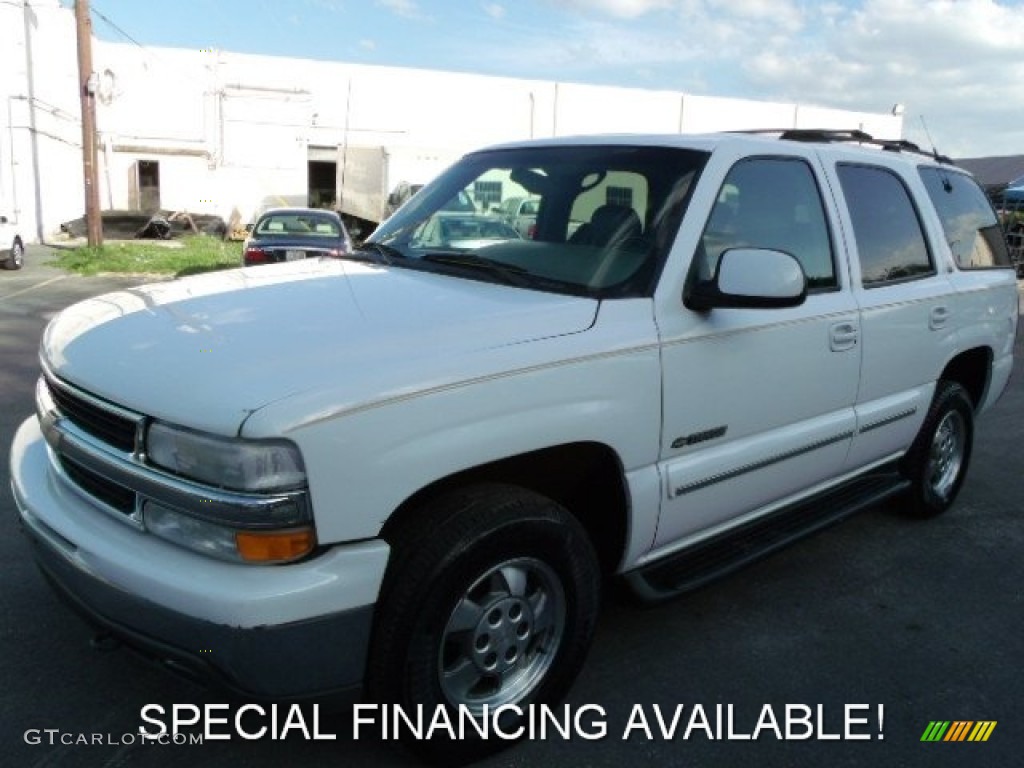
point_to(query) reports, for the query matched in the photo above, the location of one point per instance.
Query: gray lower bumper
(317, 657)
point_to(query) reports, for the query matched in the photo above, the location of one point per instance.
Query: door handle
(938, 317)
(843, 336)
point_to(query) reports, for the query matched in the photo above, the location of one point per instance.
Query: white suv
(12, 246)
(408, 472)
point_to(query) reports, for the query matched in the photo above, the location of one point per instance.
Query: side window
(888, 232)
(771, 203)
(971, 227)
(615, 193)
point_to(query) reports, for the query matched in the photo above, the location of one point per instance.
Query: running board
(720, 555)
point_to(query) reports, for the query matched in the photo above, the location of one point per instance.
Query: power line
(175, 69)
(96, 12)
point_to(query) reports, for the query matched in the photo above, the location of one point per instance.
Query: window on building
(487, 194)
(619, 196)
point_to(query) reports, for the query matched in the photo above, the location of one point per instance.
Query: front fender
(601, 386)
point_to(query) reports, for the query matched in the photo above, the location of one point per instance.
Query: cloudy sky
(957, 66)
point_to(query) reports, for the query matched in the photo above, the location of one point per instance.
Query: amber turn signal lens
(274, 546)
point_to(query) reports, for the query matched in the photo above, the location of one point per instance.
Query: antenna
(935, 151)
(927, 134)
(947, 185)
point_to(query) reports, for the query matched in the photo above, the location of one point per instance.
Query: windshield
(599, 219)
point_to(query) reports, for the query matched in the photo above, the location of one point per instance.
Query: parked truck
(374, 181)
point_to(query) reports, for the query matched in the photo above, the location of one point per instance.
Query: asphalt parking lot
(920, 621)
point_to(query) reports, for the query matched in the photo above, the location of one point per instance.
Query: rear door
(908, 308)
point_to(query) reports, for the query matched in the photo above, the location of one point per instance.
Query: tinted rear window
(890, 239)
(971, 227)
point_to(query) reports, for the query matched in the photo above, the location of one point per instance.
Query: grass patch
(179, 257)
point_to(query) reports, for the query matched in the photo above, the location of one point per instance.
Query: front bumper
(263, 631)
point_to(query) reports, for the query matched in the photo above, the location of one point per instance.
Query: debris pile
(162, 225)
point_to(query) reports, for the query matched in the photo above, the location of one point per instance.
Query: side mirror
(3, 219)
(750, 278)
(249, 227)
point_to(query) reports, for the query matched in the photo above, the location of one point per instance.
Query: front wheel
(936, 463)
(489, 603)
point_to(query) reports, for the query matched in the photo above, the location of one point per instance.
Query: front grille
(104, 424)
(110, 493)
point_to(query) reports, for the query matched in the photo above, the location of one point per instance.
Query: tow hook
(105, 642)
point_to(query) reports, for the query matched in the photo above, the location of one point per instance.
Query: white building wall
(883, 126)
(581, 108)
(704, 114)
(391, 106)
(233, 132)
(40, 127)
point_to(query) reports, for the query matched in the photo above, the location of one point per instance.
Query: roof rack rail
(827, 135)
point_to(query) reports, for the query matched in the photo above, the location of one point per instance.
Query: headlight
(241, 465)
(247, 500)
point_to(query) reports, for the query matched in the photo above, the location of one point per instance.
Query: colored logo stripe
(935, 730)
(958, 730)
(982, 730)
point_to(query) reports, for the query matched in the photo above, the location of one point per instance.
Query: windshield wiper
(508, 273)
(381, 254)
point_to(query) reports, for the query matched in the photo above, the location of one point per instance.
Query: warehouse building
(210, 131)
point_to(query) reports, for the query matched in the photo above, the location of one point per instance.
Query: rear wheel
(490, 601)
(936, 463)
(16, 258)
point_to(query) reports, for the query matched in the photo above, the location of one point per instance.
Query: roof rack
(829, 135)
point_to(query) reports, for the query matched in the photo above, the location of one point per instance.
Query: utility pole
(87, 93)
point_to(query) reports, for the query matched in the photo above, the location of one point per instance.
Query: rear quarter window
(968, 220)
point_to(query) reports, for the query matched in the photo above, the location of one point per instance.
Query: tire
(937, 462)
(16, 258)
(490, 599)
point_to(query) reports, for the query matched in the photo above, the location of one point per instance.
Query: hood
(207, 351)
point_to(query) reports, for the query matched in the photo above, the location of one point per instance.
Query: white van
(12, 246)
